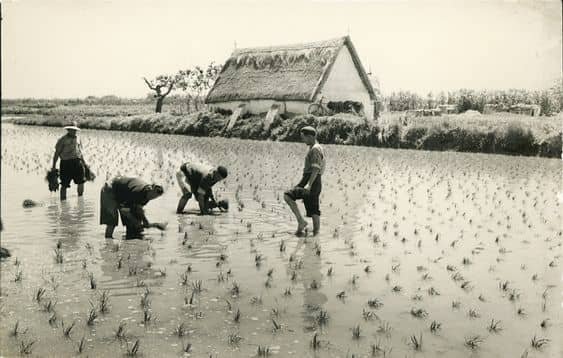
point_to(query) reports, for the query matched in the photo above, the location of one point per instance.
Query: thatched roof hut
(292, 73)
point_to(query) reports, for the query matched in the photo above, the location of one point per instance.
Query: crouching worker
(195, 180)
(127, 196)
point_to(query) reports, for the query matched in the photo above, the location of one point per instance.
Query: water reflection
(309, 275)
(69, 220)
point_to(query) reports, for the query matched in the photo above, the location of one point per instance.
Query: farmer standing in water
(195, 180)
(127, 196)
(309, 188)
(69, 149)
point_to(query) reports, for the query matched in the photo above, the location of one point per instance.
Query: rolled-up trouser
(311, 198)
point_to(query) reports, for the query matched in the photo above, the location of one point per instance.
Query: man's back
(129, 190)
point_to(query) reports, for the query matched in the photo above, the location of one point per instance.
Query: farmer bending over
(127, 196)
(195, 180)
(309, 188)
(69, 149)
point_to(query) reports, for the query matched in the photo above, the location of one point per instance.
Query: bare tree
(162, 86)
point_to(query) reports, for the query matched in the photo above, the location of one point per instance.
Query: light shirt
(69, 147)
(315, 158)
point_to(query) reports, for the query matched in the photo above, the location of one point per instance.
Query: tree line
(549, 100)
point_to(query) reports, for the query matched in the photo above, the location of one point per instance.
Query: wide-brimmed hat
(72, 126)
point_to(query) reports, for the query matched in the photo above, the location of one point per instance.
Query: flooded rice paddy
(421, 254)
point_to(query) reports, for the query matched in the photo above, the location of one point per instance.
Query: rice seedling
(396, 288)
(451, 268)
(545, 323)
(356, 332)
(263, 351)
(367, 269)
(26, 347)
(92, 315)
(181, 330)
(39, 294)
(236, 317)
(472, 313)
(133, 350)
(375, 303)
(322, 318)
(190, 301)
(184, 278)
(256, 300)
(276, 325)
(433, 292)
(234, 339)
(258, 260)
(133, 270)
(282, 246)
(466, 285)
(81, 345)
(92, 280)
(341, 295)
(68, 329)
(121, 330)
(369, 315)
(293, 275)
(49, 306)
(145, 301)
(503, 286)
(197, 286)
(18, 275)
(59, 257)
(456, 304)
(426, 277)
(140, 283)
(103, 301)
(466, 261)
(148, 316)
(521, 312)
(514, 295)
(378, 350)
(314, 285)
(315, 342)
(473, 342)
(329, 271)
(53, 319)
(287, 292)
(494, 326)
(84, 264)
(416, 342)
(435, 327)
(17, 331)
(419, 313)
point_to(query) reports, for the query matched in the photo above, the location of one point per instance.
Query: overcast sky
(69, 48)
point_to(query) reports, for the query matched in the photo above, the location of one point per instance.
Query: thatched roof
(291, 72)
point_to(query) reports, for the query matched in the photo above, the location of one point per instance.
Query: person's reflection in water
(309, 273)
(69, 221)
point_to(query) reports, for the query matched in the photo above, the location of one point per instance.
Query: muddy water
(403, 229)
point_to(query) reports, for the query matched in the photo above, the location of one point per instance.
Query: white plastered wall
(344, 83)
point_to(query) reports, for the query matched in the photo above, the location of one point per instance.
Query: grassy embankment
(500, 133)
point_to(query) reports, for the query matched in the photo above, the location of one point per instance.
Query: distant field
(503, 133)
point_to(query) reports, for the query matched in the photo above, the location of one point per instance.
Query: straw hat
(73, 126)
